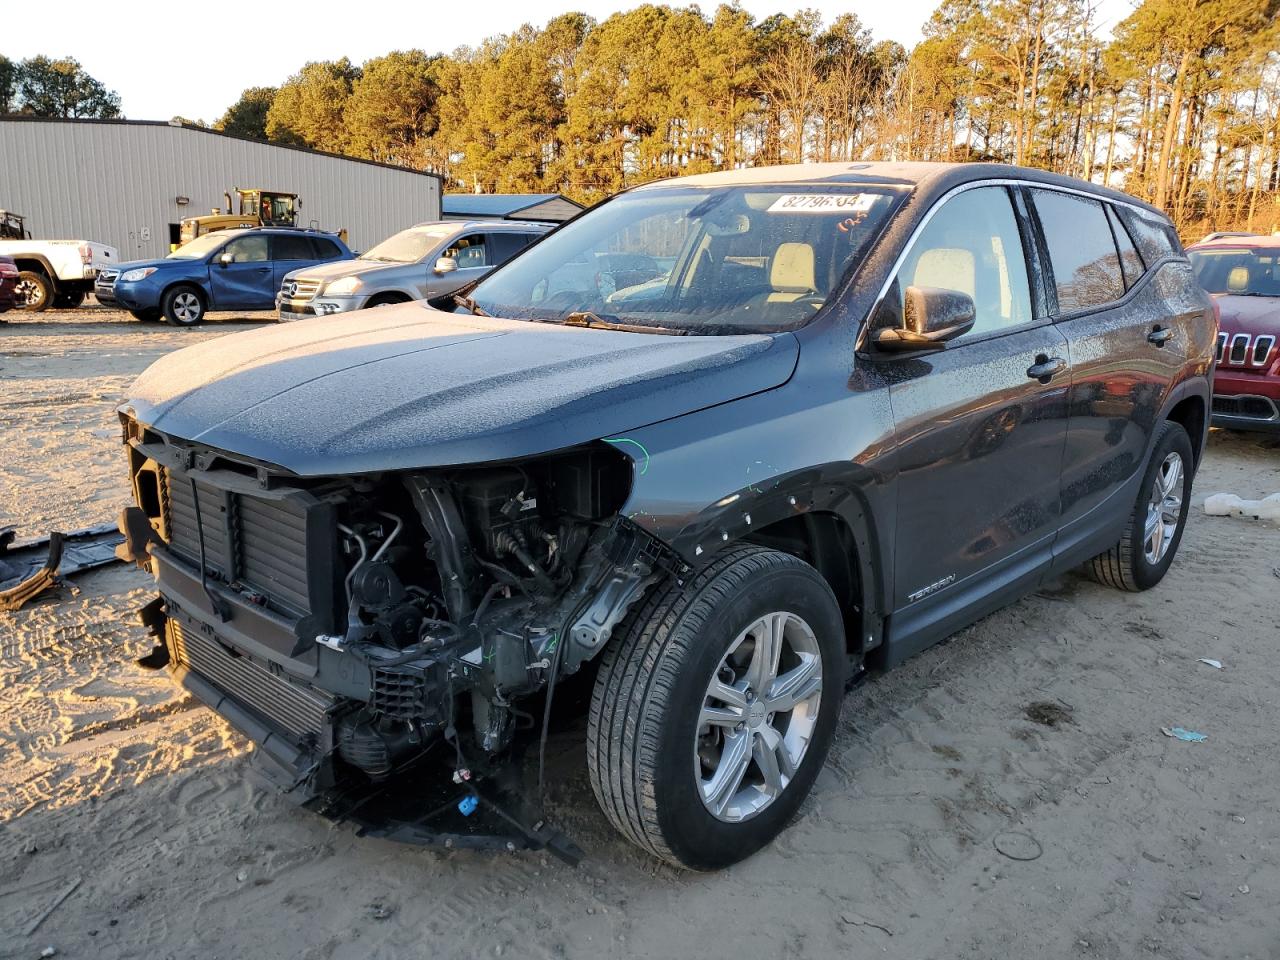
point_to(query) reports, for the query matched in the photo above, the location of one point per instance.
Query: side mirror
(931, 317)
(226, 258)
(446, 265)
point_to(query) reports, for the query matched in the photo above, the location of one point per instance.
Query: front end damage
(389, 635)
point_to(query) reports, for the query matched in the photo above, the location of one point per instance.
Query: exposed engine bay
(352, 626)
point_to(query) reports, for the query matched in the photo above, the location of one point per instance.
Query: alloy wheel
(186, 307)
(758, 716)
(30, 293)
(1164, 509)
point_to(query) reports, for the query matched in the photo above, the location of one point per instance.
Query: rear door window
(504, 246)
(1082, 252)
(1130, 259)
(291, 248)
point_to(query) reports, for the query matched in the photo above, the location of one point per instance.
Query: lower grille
(1255, 408)
(298, 710)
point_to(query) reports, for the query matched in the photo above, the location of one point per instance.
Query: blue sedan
(226, 270)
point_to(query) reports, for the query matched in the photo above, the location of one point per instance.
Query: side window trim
(1039, 270)
(1123, 207)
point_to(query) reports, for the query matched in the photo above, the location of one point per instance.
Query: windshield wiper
(585, 318)
(470, 305)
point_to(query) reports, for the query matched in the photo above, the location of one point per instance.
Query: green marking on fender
(635, 443)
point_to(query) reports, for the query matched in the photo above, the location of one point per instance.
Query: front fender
(710, 479)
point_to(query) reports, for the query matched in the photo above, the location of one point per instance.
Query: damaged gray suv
(697, 460)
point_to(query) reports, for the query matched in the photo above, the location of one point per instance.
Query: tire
(386, 300)
(38, 290)
(647, 751)
(69, 301)
(183, 305)
(147, 316)
(1137, 562)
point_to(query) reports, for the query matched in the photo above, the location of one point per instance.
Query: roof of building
(183, 125)
(500, 204)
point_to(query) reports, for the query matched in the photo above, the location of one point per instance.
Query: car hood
(346, 268)
(161, 264)
(408, 386)
(1249, 314)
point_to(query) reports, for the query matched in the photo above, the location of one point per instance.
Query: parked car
(1243, 275)
(428, 260)
(8, 284)
(1220, 234)
(871, 404)
(56, 273)
(225, 270)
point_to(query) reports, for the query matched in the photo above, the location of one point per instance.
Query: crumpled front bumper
(236, 668)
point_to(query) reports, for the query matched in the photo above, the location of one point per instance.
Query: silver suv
(427, 260)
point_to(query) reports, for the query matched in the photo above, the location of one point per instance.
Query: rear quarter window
(1082, 251)
(1130, 259)
(1156, 238)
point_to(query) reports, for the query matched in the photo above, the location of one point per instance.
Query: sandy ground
(1150, 846)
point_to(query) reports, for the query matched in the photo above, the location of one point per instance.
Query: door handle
(1046, 367)
(1160, 335)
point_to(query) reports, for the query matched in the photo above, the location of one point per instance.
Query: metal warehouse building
(129, 183)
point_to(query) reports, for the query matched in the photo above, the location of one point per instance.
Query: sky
(169, 59)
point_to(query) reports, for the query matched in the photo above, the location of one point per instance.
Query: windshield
(409, 246)
(1238, 271)
(197, 248)
(696, 259)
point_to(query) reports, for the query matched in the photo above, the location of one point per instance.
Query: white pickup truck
(57, 273)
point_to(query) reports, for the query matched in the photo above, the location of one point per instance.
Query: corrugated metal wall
(118, 183)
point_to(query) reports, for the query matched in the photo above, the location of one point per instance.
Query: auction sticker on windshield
(822, 202)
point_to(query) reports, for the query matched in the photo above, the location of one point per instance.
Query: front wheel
(69, 301)
(1150, 541)
(183, 306)
(35, 291)
(147, 316)
(715, 706)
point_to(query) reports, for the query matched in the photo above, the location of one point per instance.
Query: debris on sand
(29, 569)
(1190, 736)
(1216, 664)
(1047, 713)
(67, 891)
(1017, 846)
(854, 920)
(1229, 505)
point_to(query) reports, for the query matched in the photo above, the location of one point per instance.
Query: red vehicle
(1243, 275)
(8, 284)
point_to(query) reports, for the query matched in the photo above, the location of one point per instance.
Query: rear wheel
(715, 706)
(183, 306)
(1144, 553)
(35, 291)
(147, 316)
